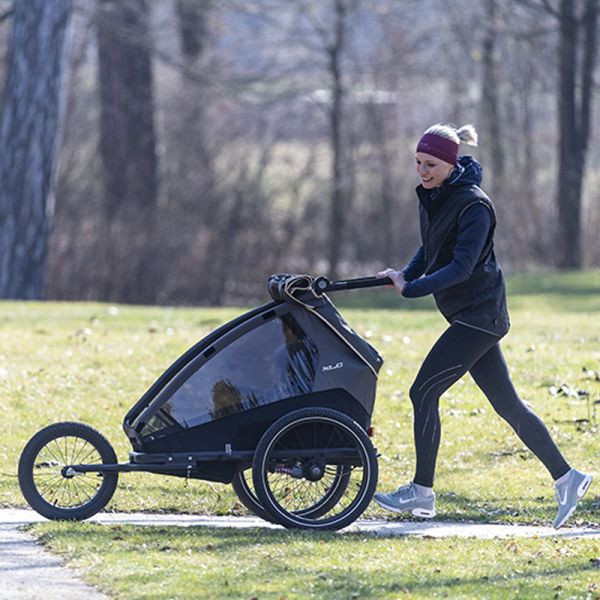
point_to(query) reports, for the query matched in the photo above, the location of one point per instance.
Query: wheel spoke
(331, 435)
(66, 449)
(60, 492)
(79, 487)
(51, 484)
(85, 459)
(77, 455)
(84, 480)
(60, 459)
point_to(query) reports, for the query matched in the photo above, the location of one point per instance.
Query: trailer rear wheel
(49, 483)
(319, 459)
(244, 489)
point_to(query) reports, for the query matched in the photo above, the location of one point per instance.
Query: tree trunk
(570, 171)
(378, 121)
(528, 214)
(590, 53)
(337, 222)
(575, 117)
(193, 26)
(127, 148)
(490, 104)
(30, 136)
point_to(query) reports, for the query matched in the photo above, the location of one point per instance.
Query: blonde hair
(466, 133)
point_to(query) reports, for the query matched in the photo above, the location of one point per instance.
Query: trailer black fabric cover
(297, 289)
(297, 349)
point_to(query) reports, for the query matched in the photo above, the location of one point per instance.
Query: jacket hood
(467, 172)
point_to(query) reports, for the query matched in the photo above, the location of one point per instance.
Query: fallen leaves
(591, 374)
(567, 391)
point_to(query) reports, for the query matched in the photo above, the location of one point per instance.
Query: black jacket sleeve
(416, 267)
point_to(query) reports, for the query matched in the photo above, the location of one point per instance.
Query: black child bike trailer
(277, 402)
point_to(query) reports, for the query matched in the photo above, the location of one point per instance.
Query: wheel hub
(67, 472)
(314, 472)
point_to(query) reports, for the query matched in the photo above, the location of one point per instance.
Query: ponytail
(468, 135)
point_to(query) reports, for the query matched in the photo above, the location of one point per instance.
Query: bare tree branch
(198, 76)
(544, 6)
(551, 9)
(319, 27)
(6, 15)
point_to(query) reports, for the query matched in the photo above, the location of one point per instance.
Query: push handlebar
(323, 284)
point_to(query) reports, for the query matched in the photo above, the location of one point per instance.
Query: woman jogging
(456, 264)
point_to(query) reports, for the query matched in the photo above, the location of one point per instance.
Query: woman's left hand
(395, 276)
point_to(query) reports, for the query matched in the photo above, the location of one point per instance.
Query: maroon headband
(440, 147)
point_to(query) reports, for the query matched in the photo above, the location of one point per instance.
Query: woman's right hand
(395, 276)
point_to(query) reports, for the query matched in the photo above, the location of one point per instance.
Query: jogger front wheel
(57, 491)
(315, 468)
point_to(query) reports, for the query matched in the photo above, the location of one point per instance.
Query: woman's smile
(432, 171)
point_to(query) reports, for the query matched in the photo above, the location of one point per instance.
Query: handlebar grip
(323, 284)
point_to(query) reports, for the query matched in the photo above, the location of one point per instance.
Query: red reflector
(371, 431)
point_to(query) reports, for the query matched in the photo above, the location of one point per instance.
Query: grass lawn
(137, 562)
(90, 362)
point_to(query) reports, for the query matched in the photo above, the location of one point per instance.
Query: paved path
(18, 517)
(28, 571)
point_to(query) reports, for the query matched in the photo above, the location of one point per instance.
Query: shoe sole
(422, 513)
(584, 486)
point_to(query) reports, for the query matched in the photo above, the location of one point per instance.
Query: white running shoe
(568, 493)
(407, 498)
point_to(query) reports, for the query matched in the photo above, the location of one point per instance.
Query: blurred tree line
(180, 151)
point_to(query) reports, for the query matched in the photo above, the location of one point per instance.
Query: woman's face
(432, 170)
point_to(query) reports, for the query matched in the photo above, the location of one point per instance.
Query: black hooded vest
(480, 301)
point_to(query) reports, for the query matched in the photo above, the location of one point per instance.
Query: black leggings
(461, 349)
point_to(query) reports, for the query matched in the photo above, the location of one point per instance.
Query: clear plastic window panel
(272, 362)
